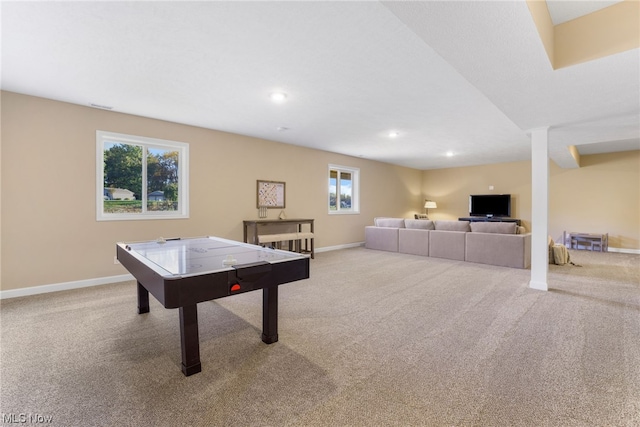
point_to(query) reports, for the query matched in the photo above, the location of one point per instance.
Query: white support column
(539, 208)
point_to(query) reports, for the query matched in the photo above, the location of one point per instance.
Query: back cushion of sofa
(389, 222)
(420, 224)
(494, 227)
(453, 225)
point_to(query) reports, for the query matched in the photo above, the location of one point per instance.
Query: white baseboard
(34, 290)
(338, 247)
(540, 286)
(625, 251)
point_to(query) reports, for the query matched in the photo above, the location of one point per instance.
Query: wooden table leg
(143, 299)
(270, 315)
(189, 340)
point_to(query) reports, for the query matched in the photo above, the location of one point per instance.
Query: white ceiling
(470, 78)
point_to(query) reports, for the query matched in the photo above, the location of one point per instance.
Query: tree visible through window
(141, 177)
(343, 189)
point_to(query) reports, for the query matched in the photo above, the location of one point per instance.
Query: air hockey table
(182, 272)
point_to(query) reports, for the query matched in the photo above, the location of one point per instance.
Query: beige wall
(48, 149)
(605, 32)
(602, 196)
(49, 230)
(450, 188)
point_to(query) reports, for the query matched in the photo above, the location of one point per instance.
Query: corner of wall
(544, 25)
(575, 154)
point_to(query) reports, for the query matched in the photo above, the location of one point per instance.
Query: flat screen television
(490, 205)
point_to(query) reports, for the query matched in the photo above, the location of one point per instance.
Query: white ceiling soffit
(609, 147)
(499, 52)
(468, 78)
(566, 10)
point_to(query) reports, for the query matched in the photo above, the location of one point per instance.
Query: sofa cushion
(453, 225)
(413, 241)
(507, 250)
(494, 227)
(389, 222)
(420, 224)
(447, 244)
(381, 238)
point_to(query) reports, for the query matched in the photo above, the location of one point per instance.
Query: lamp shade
(429, 204)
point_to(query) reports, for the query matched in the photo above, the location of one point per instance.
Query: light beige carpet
(372, 338)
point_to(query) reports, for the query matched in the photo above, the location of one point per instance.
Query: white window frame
(103, 137)
(355, 189)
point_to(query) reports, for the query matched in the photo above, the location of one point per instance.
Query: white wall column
(539, 208)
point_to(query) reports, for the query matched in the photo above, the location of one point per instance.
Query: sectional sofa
(496, 243)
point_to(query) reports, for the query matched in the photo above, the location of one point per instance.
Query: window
(140, 178)
(343, 190)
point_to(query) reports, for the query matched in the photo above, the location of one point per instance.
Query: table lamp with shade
(429, 204)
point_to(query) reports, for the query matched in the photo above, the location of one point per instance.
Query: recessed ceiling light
(282, 129)
(394, 134)
(278, 97)
(103, 107)
(449, 153)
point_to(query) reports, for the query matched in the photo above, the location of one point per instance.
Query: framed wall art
(270, 194)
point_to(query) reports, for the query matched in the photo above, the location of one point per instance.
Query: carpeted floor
(372, 338)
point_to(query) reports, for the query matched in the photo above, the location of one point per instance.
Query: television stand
(490, 219)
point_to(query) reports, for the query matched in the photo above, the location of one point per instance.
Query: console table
(258, 231)
(588, 241)
(490, 219)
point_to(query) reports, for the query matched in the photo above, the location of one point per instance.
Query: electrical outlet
(115, 259)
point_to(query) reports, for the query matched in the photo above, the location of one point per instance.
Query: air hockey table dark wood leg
(143, 299)
(270, 315)
(189, 340)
